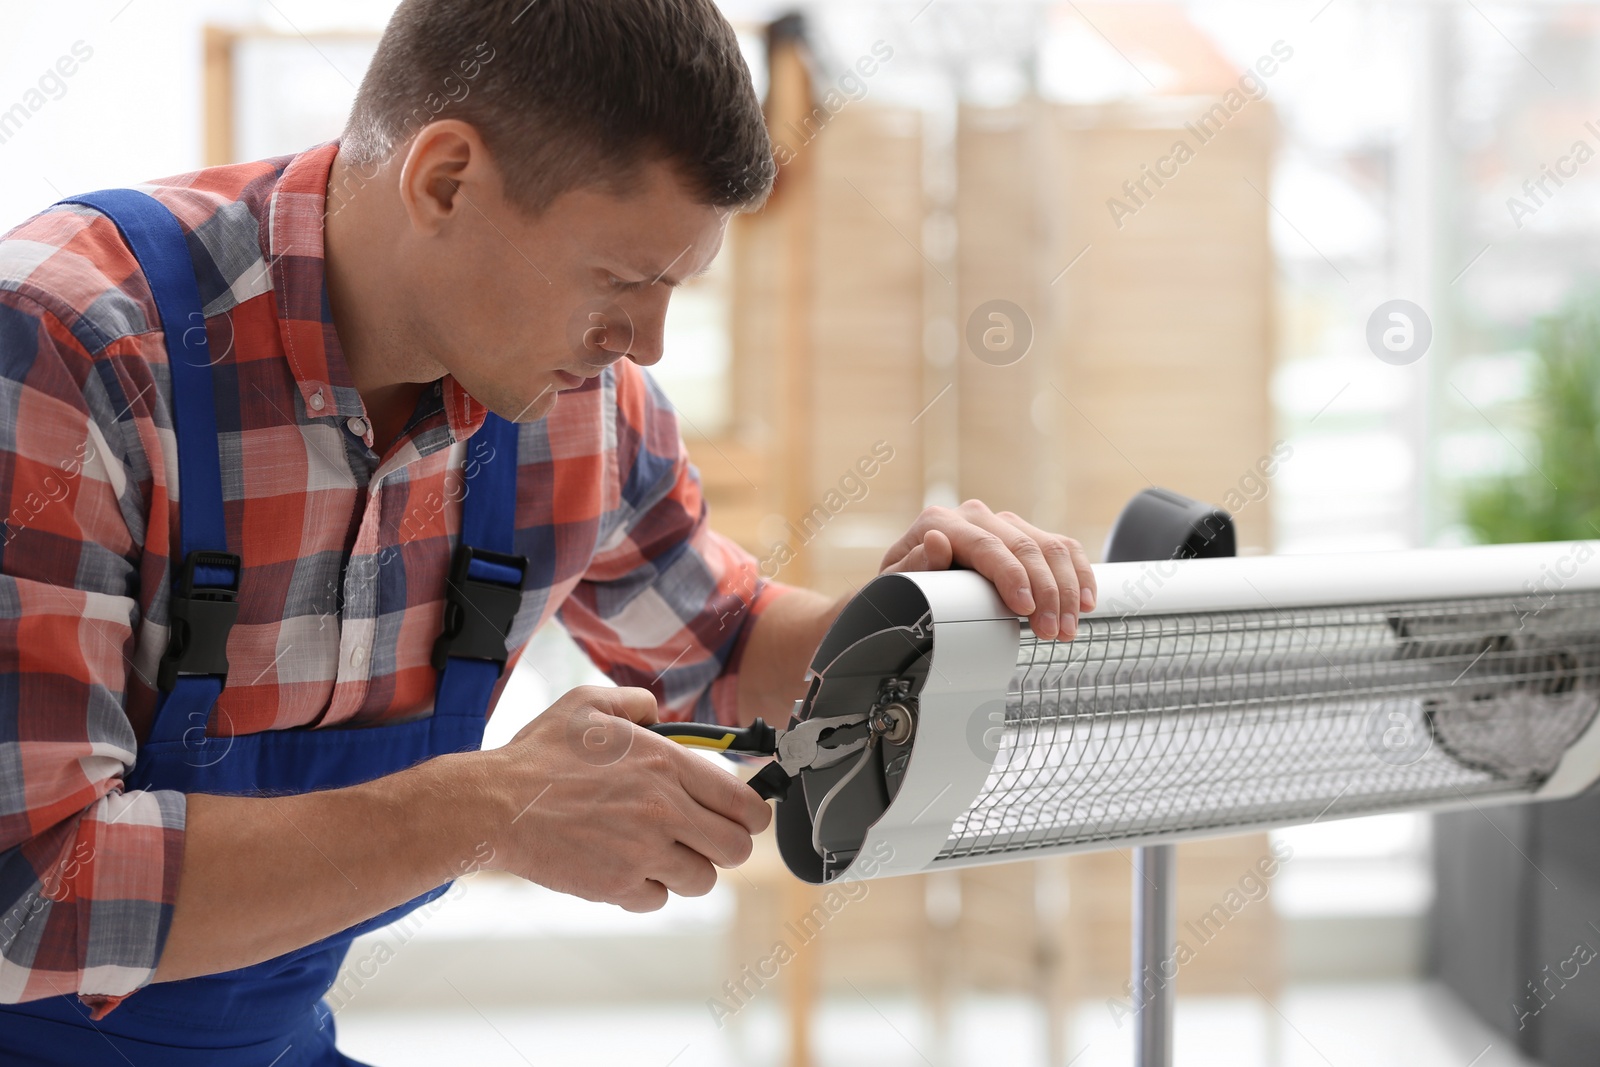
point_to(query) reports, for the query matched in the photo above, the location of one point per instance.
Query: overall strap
(484, 588)
(206, 576)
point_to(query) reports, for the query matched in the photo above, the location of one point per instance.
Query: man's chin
(537, 408)
(521, 409)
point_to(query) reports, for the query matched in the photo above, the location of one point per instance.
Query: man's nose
(649, 330)
(647, 348)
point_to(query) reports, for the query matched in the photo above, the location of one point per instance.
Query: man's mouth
(568, 380)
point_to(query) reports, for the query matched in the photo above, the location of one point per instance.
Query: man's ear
(447, 168)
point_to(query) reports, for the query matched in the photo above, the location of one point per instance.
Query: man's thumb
(631, 703)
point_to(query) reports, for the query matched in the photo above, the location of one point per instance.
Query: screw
(894, 723)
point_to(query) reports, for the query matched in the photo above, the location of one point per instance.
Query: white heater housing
(1201, 697)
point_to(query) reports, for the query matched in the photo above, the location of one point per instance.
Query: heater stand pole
(1155, 921)
(1159, 524)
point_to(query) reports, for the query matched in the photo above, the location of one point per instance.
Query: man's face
(521, 309)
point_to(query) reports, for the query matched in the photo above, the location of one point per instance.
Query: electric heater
(1202, 696)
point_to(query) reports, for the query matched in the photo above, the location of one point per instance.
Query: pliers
(809, 745)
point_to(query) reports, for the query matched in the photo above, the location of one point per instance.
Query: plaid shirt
(345, 551)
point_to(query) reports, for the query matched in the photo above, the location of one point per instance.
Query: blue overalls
(270, 1014)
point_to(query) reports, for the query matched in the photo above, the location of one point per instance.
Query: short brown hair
(568, 93)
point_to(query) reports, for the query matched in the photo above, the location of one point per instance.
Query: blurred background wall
(989, 269)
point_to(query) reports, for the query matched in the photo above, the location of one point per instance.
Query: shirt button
(358, 657)
(357, 425)
(316, 401)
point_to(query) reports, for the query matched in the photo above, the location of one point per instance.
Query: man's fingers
(896, 555)
(1014, 562)
(1088, 588)
(915, 560)
(625, 702)
(986, 553)
(686, 872)
(1058, 599)
(682, 871)
(924, 547)
(724, 795)
(937, 551)
(1067, 569)
(1081, 569)
(720, 840)
(648, 896)
(1039, 574)
(932, 553)
(632, 815)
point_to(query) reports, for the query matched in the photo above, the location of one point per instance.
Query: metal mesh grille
(1162, 724)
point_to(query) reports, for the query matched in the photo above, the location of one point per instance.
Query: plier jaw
(817, 743)
(809, 745)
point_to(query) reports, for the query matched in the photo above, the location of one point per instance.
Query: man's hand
(596, 806)
(1041, 575)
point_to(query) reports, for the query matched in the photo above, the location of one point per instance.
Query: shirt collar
(305, 319)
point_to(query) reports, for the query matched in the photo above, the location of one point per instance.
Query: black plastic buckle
(200, 618)
(477, 613)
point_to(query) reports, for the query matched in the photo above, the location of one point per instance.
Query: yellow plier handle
(757, 739)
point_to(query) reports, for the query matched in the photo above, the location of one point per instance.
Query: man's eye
(625, 287)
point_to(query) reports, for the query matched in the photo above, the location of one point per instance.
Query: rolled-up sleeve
(88, 871)
(667, 603)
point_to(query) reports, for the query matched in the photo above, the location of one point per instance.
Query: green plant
(1559, 498)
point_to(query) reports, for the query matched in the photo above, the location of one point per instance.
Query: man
(396, 427)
